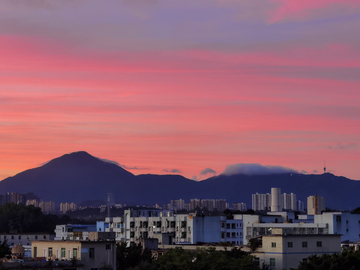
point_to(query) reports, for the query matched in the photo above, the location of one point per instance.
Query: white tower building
(276, 200)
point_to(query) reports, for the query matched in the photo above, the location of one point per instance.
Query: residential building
(74, 231)
(239, 206)
(91, 254)
(276, 201)
(315, 205)
(64, 207)
(261, 202)
(24, 239)
(289, 202)
(281, 251)
(177, 204)
(345, 224)
(33, 202)
(47, 207)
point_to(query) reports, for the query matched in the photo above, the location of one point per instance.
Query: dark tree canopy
(18, 218)
(348, 259)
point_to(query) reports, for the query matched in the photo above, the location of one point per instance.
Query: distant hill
(79, 177)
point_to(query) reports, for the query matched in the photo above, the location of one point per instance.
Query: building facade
(287, 251)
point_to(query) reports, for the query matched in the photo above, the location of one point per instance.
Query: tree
(132, 256)
(347, 259)
(4, 249)
(206, 259)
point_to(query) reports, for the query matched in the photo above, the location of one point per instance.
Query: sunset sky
(181, 86)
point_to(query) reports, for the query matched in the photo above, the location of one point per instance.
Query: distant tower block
(110, 202)
(110, 199)
(275, 200)
(324, 167)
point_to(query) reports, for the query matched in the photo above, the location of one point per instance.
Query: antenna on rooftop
(324, 167)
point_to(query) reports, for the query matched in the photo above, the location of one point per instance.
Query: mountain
(79, 177)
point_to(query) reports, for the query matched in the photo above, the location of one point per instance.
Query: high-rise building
(177, 204)
(275, 201)
(33, 202)
(239, 206)
(47, 207)
(315, 205)
(195, 203)
(289, 201)
(64, 207)
(261, 201)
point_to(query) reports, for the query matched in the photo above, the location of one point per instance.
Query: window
(233, 226)
(36, 237)
(92, 253)
(35, 252)
(222, 235)
(183, 234)
(4, 236)
(227, 226)
(63, 253)
(273, 244)
(319, 244)
(223, 224)
(228, 234)
(74, 252)
(272, 261)
(19, 236)
(108, 247)
(304, 244)
(172, 224)
(44, 236)
(183, 224)
(290, 244)
(257, 261)
(50, 252)
(132, 224)
(12, 237)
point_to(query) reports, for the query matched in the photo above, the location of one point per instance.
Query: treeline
(178, 259)
(18, 218)
(348, 259)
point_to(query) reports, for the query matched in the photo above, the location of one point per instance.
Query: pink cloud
(294, 9)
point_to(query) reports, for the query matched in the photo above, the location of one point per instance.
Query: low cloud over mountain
(255, 169)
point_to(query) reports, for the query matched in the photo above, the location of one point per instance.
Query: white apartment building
(289, 201)
(73, 232)
(345, 224)
(275, 201)
(261, 202)
(179, 229)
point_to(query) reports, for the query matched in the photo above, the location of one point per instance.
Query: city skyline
(188, 87)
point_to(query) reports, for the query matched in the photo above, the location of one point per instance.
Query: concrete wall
(104, 253)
